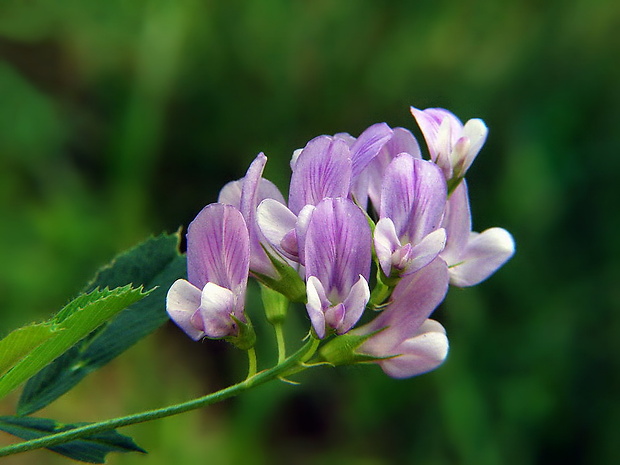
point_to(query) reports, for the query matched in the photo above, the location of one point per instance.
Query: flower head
(318, 247)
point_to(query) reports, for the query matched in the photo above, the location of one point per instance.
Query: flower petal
(334, 315)
(217, 304)
(301, 230)
(253, 192)
(457, 223)
(218, 248)
(323, 169)
(317, 302)
(368, 145)
(484, 254)
(275, 221)
(182, 301)
(354, 305)
(414, 298)
(397, 194)
(386, 243)
(425, 251)
(476, 131)
(294, 158)
(419, 354)
(230, 194)
(402, 141)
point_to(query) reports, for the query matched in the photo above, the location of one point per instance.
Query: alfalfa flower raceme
(369, 240)
(364, 250)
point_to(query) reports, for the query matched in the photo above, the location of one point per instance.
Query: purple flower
(413, 198)
(452, 145)
(406, 342)
(218, 258)
(471, 256)
(246, 194)
(338, 256)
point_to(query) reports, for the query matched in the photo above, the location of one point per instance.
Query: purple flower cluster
(355, 205)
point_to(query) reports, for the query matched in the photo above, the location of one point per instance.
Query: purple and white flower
(471, 256)
(406, 342)
(218, 262)
(338, 257)
(408, 235)
(452, 145)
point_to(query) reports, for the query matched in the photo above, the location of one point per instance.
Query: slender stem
(383, 290)
(251, 362)
(281, 343)
(294, 361)
(379, 294)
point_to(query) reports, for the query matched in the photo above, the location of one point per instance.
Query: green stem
(281, 343)
(251, 362)
(294, 361)
(379, 294)
(382, 290)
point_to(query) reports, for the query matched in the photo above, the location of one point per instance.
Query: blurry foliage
(118, 119)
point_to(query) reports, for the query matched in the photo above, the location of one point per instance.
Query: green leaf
(91, 449)
(155, 262)
(79, 318)
(17, 344)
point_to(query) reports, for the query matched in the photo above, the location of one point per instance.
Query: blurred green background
(120, 119)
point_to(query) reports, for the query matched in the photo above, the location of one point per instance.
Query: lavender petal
(338, 245)
(323, 169)
(218, 248)
(484, 254)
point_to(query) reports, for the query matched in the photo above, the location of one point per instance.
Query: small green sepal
(246, 337)
(453, 184)
(342, 350)
(380, 295)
